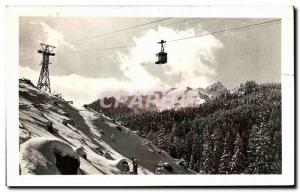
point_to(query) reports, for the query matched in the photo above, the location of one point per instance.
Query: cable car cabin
(162, 57)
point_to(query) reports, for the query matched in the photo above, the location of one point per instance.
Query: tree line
(237, 132)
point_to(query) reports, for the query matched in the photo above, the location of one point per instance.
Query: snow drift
(43, 156)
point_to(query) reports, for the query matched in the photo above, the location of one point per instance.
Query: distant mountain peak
(171, 89)
(216, 85)
(188, 88)
(215, 89)
(186, 96)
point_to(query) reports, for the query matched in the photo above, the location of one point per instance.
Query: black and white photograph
(146, 95)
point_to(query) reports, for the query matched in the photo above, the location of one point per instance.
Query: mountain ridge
(173, 98)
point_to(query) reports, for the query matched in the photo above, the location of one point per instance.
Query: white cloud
(193, 59)
(52, 36)
(80, 89)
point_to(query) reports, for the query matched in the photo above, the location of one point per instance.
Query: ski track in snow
(91, 130)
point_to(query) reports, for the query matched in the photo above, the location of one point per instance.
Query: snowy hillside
(52, 131)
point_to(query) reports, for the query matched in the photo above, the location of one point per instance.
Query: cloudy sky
(82, 71)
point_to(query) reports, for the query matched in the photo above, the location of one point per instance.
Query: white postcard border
(12, 115)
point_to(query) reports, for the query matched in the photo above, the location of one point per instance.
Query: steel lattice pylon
(44, 80)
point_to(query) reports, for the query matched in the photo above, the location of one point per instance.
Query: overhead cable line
(124, 29)
(172, 23)
(184, 38)
(168, 24)
(225, 30)
(165, 25)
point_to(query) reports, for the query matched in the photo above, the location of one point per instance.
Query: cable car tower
(44, 80)
(162, 57)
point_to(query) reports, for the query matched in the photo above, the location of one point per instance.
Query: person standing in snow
(112, 138)
(134, 165)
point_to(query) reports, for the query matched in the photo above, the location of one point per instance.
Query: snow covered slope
(49, 125)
